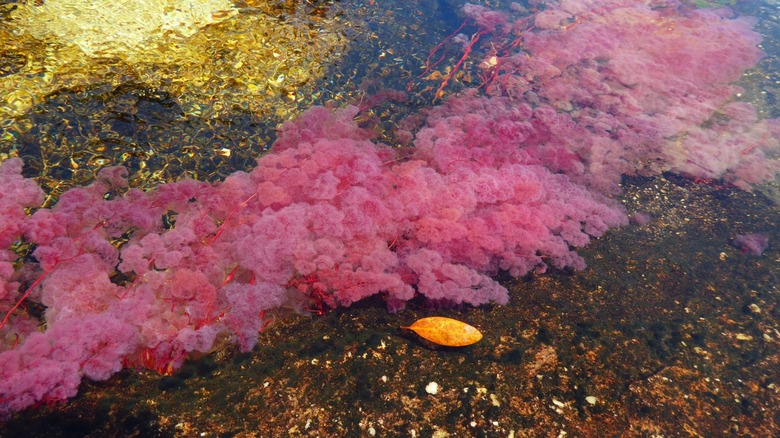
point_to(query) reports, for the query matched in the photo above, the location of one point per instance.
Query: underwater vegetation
(509, 177)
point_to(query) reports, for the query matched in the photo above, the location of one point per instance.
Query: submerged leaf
(446, 331)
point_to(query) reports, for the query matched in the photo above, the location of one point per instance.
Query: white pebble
(432, 388)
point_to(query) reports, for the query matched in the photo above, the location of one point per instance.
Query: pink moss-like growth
(513, 180)
(640, 87)
(327, 205)
(16, 194)
(751, 243)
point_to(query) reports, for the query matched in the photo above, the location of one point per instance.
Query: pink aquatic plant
(751, 243)
(624, 87)
(326, 205)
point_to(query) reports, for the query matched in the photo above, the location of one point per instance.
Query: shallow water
(201, 106)
(670, 331)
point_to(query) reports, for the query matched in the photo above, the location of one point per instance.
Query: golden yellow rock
(200, 52)
(446, 331)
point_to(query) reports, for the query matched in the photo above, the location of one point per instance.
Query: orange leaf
(446, 331)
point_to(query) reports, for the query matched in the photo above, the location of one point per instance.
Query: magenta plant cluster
(511, 177)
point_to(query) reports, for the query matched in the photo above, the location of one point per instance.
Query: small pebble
(432, 388)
